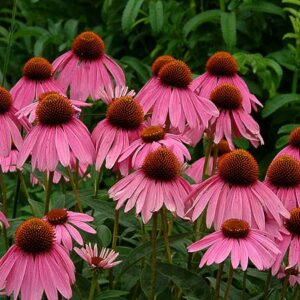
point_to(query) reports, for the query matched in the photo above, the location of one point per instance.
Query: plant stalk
(164, 220)
(218, 280)
(94, 284)
(229, 282)
(75, 189)
(48, 191)
(153, 257)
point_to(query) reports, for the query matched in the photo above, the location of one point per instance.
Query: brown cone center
(293, 223)
(222, 64)
(160, 62)
(37, 68)
(57, 216)
(152, 134)
(235, 228)
(5, 100)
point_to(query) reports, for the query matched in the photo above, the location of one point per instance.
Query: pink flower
(290, 243)
(56, 134)
(9, 124)
(104, 259)
(222, 68)
(157, 183)
(294, 275)
(86, 68)
(233, 119)
(64, 223)
(29, 111)
(241, 242)
(152, 138)
(3, 220)
(195, 171)
(155, 68)
(170, 98)
(36, 263)
(283, 178)
(8, 164)
(293, 148)
(108, 94)
(235, 192)
(37, 79)
(123, 122)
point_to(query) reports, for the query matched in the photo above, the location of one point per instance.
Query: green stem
(215, 159)
(75, 189)
(222, 5)
(285, 284)
(244, 285)
(295, 81)
(153, 257)
(218, 280)
(229, 282)
(116, 229)
(16, 197)
(207, 158)
(4, 192)
(78, 291)
(94, 284)
(267, 285)
(164, 220)
(48, 191)
(10, 35)
(97, 182)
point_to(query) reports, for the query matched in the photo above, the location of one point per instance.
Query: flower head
(102, 259)
(37, 79)
(233, 119)
(157, 183)
(57, 132)
(283, 178)
(86, 68)
(294, 275)
(293, 148)
(65, 224)
(150, 139)
(235, 192)
(171, 97)
(222, 68)
(242, 243)
(36, 263)
(122, 125)
(9, 125)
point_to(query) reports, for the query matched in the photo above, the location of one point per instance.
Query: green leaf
(141, 69)
(228, 27)
(37, 207)
(277, 102)
(296, 2)
(156, 16)
(192, 284)
(111, 294)
(263, 7)
(282, 141)
(212, 15)
(130, 14)
(288, 128)
(104, 234)
(71, 27)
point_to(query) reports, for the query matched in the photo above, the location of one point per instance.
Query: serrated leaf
(273, 104)
(130, 14)
(156, 16)
(228, 28)
(287, 128)
(212, 15)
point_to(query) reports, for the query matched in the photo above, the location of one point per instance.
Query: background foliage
(264, 36)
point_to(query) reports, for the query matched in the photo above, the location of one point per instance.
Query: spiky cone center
(152, 134)
(226, 96)
(161, 164)
(235, 228)
(175, 73)
(5, 100)
(293, 223)
(37, 68)
(238, 167)
(160, 62)
(292, 271)
(125, 112)
(54, 109)
(284, 171)
(57, 216)
(35, 236)
(222, 64)
(88, 46)
(96, 260)
(294, 138)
